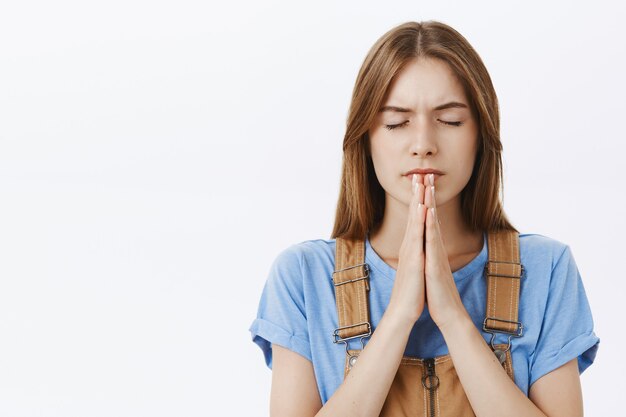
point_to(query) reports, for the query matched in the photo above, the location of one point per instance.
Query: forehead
(424, 82)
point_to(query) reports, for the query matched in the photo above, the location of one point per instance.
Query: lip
(437, 173)
(435, 179)
(423, 172)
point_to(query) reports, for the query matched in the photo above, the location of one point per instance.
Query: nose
(423, 142)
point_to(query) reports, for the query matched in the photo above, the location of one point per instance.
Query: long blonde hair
(361, 202)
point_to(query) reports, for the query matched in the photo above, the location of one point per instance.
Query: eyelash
(391, 127)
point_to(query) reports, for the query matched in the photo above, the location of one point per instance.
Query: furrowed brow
(449, 105)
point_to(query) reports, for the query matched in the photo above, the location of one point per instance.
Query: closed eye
(451, 123)
(391, 127)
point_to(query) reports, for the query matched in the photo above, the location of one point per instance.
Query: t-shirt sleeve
(281, 317)
(567, 330)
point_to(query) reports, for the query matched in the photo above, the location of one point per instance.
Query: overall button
(352, 361)
(501, 355)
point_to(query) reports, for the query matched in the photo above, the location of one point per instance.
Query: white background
(156, 156)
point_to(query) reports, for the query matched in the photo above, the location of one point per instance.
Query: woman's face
(418, 104)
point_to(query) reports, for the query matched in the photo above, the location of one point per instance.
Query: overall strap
(351, 281)
(503, 272)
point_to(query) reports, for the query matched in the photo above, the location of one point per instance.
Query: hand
(408, 293)
(442, 296)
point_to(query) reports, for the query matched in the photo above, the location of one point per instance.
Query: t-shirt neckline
(374, 260)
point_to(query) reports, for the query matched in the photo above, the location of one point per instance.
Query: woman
(424, 104)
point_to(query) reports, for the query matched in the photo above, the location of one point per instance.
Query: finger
(428, 192)
(415, 223)
(420, 188)
(421, 212)
(431, 230)
(434, 240)
(417, 189)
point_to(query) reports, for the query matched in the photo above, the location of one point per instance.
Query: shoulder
(537, 249)
(548, 263)
(307, 251)
(294, 260)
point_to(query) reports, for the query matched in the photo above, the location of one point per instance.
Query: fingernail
(432, 190)
(413, 181)
(432, 179)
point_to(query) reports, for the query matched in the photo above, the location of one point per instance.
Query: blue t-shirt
(297, 310)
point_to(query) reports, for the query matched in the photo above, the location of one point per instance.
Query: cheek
(380, 166)
(464, 166)
(466, 161)
(385, 163)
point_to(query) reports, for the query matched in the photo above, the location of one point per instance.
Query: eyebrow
(449, 105)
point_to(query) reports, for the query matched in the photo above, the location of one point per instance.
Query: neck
(458, 239)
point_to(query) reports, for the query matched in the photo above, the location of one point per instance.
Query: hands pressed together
(424, 276)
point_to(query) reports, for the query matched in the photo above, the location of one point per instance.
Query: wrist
(398, 318)
(460, 322)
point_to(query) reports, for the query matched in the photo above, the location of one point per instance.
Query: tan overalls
(429, 386)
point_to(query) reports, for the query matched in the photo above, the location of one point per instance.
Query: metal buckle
(517, 333)
(504, 275)
(367, 274)
(348, 345)
(493, 332)
(339, 339)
